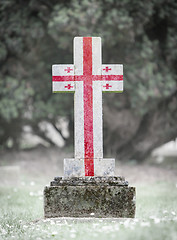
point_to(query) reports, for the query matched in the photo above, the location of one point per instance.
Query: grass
(21, 216)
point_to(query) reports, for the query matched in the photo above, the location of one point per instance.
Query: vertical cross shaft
(88, 127)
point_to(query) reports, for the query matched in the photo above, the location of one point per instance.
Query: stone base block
(89, 197)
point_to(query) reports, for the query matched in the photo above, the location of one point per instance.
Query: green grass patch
(21, 216)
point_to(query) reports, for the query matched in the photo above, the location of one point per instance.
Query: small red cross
(68, 69)
(107, 69)
(69, 86)
(107, 86)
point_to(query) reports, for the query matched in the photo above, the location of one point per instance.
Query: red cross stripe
(69, 86)
(107, 69)
(68, 69)
(81, 78)
(107, 86)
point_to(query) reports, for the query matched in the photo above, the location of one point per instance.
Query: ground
(24, 174)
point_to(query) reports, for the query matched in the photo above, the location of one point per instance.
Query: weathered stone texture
(79, 181)
(67, 200)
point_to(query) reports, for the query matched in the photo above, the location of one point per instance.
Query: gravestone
(89, 186)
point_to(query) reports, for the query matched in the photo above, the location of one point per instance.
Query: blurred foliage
(35, 34)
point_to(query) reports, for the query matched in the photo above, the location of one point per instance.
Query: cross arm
(63, 78)
(112, 77)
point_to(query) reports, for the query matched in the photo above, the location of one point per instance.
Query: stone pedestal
(89, 197)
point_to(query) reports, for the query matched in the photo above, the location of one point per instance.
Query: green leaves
(14, 97)
(3, 52)
(141, 35)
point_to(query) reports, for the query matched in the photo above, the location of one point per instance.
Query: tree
(141, 35)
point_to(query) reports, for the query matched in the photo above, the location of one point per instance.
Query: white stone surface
(96, 56)
(63, 86)
(79, 121)
(104, 167)
(112, 69)
(74, 167)
(97, 99)
(78, 99)
(61, 70)
(97, 120)
(112, 86)
(78, 56)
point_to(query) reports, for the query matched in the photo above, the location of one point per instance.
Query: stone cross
(87, 78)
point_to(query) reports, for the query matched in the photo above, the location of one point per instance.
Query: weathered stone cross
(88, 78)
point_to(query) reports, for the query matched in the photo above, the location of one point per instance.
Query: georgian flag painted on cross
(88, 78)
